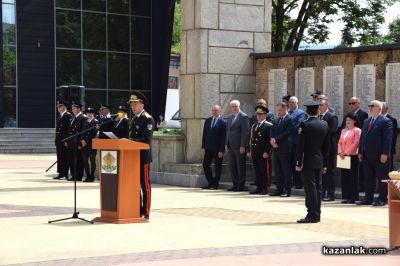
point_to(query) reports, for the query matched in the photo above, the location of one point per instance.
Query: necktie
(320, 117)
(279, 120)
(258, 125)
(371, 123)
(234, 118)
(212, 122)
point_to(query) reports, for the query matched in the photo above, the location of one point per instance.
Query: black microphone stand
(75, 215)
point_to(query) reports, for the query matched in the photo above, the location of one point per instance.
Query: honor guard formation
(304, 149)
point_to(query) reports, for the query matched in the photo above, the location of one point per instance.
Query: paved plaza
(187, 226)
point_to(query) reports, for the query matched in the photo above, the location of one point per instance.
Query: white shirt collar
(327, 110)
(61, 115)
(78, 114)
(140, 113)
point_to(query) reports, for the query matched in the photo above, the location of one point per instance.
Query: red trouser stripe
(146, 180)
(267, 184)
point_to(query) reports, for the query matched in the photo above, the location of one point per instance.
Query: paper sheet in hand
(110, 135)
(344, 163)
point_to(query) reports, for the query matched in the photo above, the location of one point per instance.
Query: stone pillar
(217, 39)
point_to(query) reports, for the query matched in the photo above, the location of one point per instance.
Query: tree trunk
(294, 33)
(279, 20)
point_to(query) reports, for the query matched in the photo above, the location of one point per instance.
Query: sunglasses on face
(351, 103)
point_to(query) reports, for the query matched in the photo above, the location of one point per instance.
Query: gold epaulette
(146, 114)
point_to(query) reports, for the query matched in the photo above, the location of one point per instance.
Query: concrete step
(27, 150)
(27, 140)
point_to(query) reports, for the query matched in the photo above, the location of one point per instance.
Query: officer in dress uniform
(62, 127)
(77, 123)
(121, 124)
(259, 150)
(141, 129)
(311, 159)
(88, 154)
(105, 121)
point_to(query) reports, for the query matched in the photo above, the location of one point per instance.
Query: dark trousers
(237, 166)
(89, 162)
(282, 172)
(374, 170)
(72, 151)
(62, 159)
(328, 182)
(145, 186)
(297, 181)
(313, 190)
(350, 180)
(209, 157)
(262, 172)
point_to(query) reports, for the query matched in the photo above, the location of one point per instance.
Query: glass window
(118, 6)
(118, 71)
(141, 72)
(94, 34)
(75, 4)
(68, 29)
(9, 65)
(141, 7)
(118, 33)
(9, 1)
(94, 70)
(141, 32)
(95, 5)
(94, 98)
(68, 67)
(117, 98)
(10, 114)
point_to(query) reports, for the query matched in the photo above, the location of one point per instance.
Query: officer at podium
(141, 130)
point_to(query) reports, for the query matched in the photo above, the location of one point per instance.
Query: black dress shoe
(232, 189)
(285, 195)
(329, 199)
(239, 189)
(351, 201)
(308, 220)
(364, 202)
(215, 187)
(253, 184)
(379, 203)
(275, 194)
(206, 187)
(345, 201)
(298, 187)
(59, 177)
(257, 191)
(263, 192)
(87, 180)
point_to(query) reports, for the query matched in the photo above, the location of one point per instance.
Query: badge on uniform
(137, 126)
(299, 131)
(149, 126)
(259, 134)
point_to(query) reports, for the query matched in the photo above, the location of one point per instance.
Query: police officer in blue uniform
(141, 130)
(62, 128)
(85, 145)
(312, 158)
(121, 123)
(260, 147)
(105, 121)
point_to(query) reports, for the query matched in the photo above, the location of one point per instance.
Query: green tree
(308, 21)
(176, 31)
(394, 30)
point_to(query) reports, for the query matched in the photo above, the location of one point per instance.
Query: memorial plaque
(333, 87)
(392, 88)
(304, 84)
(364, 84)
(277, 87)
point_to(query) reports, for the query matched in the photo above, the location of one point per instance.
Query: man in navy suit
(374, 152)
(213, 146)
(385, 109)
(237, 140)
(282, 147)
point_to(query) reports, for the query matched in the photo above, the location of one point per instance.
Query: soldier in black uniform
(76, 126)
(311, 159)
(62, 127)
(105, 121)
(85, 145)
(121, 124)
(259, 150)
(141, 129)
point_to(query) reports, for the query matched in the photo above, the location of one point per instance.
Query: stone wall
(218, 37)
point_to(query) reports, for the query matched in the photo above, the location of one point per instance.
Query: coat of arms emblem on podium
(109, 162)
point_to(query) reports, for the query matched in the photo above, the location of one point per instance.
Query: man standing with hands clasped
(311, 159)
(213, 146)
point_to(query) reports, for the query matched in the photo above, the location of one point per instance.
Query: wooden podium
(394, 215)
(119, 174)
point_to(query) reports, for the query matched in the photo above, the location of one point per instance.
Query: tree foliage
(176, 31)
(309, 21)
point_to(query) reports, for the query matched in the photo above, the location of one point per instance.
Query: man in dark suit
(121, 123)
(311, 159)
(213, 146)
(280, 141)
(62, 128)
(260, 148)
(394, 138)
(328, 182)
(74, 153)
(375, 151)
(85, 145)
(105, 121)
(237, 139)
